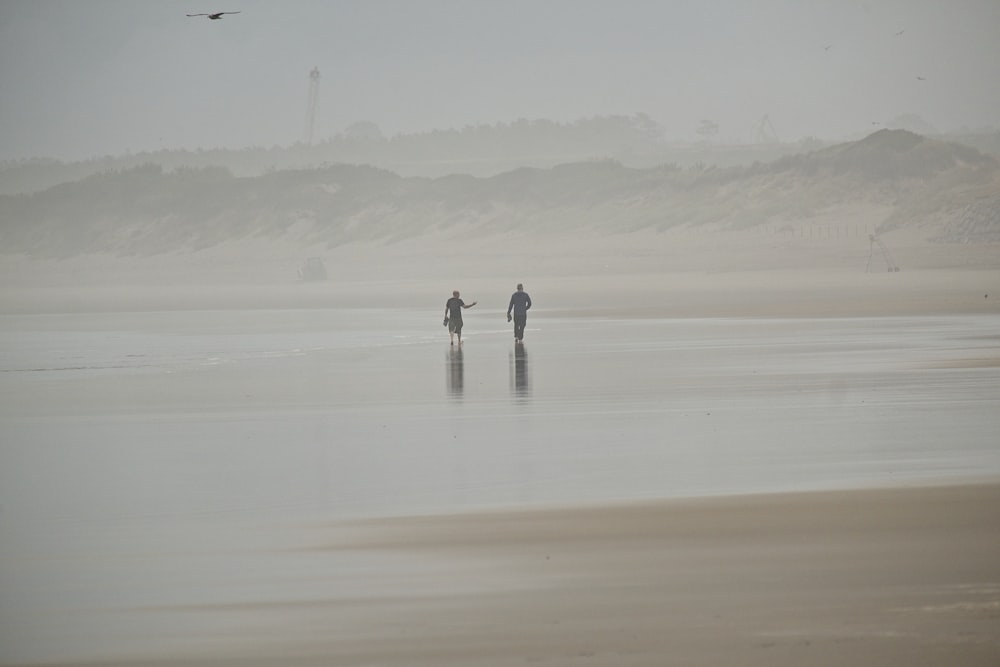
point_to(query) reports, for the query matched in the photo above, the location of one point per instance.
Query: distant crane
(889, 262)
(764, 133)
(312, 104)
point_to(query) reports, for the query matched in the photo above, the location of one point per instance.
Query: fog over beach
(753, 419)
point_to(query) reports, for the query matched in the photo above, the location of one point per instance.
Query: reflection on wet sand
(265, 447)
(456, 372)
(520, 382)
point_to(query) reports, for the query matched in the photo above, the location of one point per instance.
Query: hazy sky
(84, 78)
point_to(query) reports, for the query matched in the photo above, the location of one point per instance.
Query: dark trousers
(519, 322)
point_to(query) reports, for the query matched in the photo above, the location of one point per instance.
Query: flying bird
(898, 34)
(920, 78)
(828, 47)
(216, 16)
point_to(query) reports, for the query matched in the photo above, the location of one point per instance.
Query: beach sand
(894, 577)
(908, 575)
(680, 273)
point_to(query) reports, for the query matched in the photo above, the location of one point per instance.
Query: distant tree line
(149, 209)
(364, 143)
(480, 150)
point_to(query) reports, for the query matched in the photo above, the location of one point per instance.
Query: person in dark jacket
(520, 302)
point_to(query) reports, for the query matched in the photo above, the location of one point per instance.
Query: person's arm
(510, 306)
(527, 301)
(469, 305)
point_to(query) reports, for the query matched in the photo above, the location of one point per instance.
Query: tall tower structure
(312, 104)
(763, 132)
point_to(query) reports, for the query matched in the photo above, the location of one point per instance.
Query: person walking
(453, 316)
(520, 302)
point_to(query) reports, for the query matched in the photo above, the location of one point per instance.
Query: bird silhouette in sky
(216, 16)
(920, 78)
(900, 33)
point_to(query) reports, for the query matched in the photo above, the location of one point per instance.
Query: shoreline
(675, 273)
(764, 294)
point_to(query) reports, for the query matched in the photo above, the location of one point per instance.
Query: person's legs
(519, 322)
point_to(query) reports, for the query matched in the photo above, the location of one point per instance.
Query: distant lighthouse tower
(311, 105)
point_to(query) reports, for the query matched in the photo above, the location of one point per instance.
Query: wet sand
(901, 577)
(895, 577)
(189, 458)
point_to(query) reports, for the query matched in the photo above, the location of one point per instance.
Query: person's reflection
(456, 373)
(520, 383)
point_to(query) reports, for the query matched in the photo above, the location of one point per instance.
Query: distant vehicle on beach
(312, 270)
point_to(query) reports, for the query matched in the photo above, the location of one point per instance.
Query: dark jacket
(520, 302)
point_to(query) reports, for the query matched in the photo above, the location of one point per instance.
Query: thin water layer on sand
(159, 471)
(371, 412)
